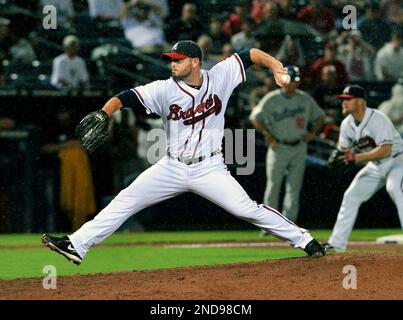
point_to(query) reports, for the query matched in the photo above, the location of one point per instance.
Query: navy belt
(290, 143)
(189, 161)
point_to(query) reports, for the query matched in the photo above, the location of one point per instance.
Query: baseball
(286, 78)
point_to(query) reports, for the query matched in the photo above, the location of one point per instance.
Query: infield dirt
(379, 276)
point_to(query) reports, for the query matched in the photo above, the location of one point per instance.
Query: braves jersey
(194, 118)
(376, 129)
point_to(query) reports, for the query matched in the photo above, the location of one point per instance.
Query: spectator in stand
(64, 9)
(22, 52)
(391, 10)
(142, 25)
(159, 9)
(6, 40)
(373, 27)
(389, 59)
(398, 26)
(245, 38)
(64, 152)
(291, 52)
(356, 55)
(7, 123)
(325, 94)
(318, 16)
(188, 27)
(218, 37)
(205, 43)
(105, 10)
(393, 107)
(287, 9)
(5, 45)
(233, 25)
(69, 70)
(329, 58)
(257, 9)
(270, 27)
(269, 12)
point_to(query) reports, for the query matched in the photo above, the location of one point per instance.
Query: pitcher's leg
(394, 186)
(156, 184)
(364, 185)
(275, 169)
(222, 189)
(294, 180)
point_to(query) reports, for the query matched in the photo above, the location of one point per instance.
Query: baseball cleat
(63, 246)
(330, 248)
(314, 249)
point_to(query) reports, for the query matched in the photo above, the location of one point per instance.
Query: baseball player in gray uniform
(366, 136)
(283, 117)
(192, 105)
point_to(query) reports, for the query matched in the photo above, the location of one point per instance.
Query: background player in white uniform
(367, 135)
(283, 116)
(192, 104)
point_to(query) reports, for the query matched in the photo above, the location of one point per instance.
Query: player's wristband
(350, 157)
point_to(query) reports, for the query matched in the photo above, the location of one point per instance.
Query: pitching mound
(379, 276)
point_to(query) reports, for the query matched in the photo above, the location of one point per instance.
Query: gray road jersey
(287, 118)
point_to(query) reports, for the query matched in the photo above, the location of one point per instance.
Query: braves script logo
(195, 114)
(365, 143)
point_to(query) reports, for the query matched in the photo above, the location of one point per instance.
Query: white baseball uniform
(375, 130)
(194, 124)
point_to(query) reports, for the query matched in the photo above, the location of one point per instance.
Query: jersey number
(300, 122)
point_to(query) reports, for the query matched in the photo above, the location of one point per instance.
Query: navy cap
(293, 72)
(353, 91)
(184, 49)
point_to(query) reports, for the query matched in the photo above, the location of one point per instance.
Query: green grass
(193, 236)
(30, 263)
(26, 262)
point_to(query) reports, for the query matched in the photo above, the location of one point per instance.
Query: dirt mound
(379, 276)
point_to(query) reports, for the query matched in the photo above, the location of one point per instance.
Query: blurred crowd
(117, 44)
(309, 34)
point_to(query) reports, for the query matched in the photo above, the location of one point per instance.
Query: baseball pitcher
(192, 104)
(366, 136)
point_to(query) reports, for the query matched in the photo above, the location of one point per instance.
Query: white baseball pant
(366, 183)
(168, 178)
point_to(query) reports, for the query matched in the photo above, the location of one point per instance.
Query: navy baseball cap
(184, 49)
(353, 91)
(293, 72)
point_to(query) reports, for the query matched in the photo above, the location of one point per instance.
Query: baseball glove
(339, 160)
(93, 130)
